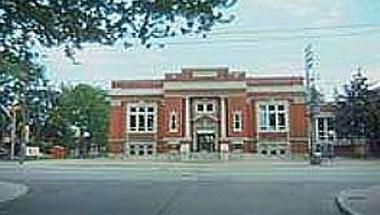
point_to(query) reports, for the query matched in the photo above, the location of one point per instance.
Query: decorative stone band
(208, 85)
(116, 139)
(276, 88)
(135, 92)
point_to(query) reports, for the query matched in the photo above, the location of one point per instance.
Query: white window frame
(276, 111)
(205, 104)
(171, 115)
(325, 137)
(146, 114)
(235, 121)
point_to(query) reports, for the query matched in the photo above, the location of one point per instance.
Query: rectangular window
(330, 129)
(272, 117)
(150, 122)
(281, 121)
(325, 128)
(321, 129)
(205, 108)
(237, 121)
(210, 108)
(263, 117)
(132, 123)
(200, 108)
(141, 118)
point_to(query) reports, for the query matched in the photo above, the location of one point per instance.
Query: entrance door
(206, 142)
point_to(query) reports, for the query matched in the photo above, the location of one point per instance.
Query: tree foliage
(357, 114)
(25, 25)
(84, 107)
(24, 84)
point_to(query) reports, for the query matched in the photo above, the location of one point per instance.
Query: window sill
(141, 132)
(273, 131)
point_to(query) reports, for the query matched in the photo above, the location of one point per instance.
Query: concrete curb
(343, 206)
(10, 191)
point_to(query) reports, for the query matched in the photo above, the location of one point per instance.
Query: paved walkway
(360, 201)
(10, 191)
(255, 161)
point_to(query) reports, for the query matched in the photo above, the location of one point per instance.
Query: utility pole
(311, 95)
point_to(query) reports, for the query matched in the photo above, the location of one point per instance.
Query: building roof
(221, 74)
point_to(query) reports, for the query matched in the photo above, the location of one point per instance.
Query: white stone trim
(205, 131)
(173, 140)
(136, 92)
(115, 102)
(204, 85)
(223, 118)
(276, 88)
(325, 114)
(187, 116)
(203, 74)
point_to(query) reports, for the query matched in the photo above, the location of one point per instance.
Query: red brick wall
(115, 147)
(117, 122)
(273, 136)
(238, 104)
(298, 120)
(172, 104)
(117, 128)
(299, 148)
(252, 120)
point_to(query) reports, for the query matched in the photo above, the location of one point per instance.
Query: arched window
(173, 122)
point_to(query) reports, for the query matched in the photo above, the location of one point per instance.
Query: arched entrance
(205, 134)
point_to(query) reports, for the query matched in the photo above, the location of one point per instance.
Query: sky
(268, 47)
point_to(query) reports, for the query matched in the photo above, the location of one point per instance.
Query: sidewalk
(132, 162)
(10, 191)
(359, 201)
(253, 161)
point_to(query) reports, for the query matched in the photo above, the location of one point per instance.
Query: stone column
(224, 147)
(187, 118)
(185, 146)
(223, 118)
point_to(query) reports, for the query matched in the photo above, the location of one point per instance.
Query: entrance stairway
(204, 156)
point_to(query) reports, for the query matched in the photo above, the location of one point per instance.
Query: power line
(278, 30)
(256, 40)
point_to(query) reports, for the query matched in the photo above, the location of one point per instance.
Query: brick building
(208, 110)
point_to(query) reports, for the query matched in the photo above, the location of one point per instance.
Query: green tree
(357, 115)
(25, 84)
(26, 25)
(86, 108)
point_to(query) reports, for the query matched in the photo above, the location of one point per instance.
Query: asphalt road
(174, 190)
